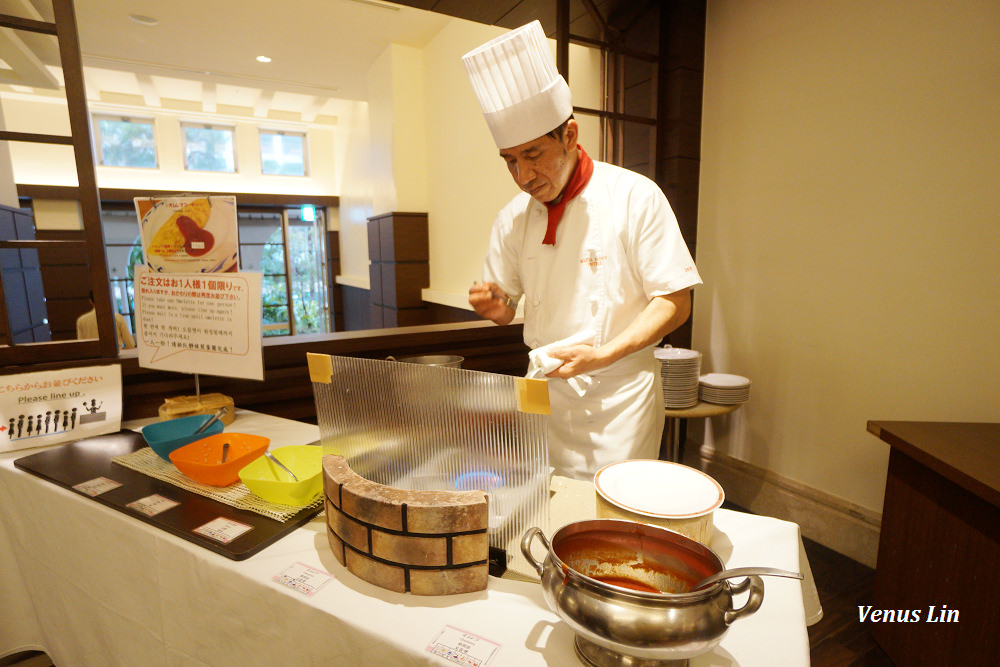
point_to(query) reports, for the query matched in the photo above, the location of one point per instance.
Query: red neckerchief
(577, 182)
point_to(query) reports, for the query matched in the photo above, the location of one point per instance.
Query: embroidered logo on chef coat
(593, 259)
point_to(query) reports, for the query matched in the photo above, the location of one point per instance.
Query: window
(287, 247)
(290, 250)
(209, 147)
(262, 249)
(123, 249)
(283, 153)
(125, 142)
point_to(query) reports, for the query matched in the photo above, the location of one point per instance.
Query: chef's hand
(577, 360)
(490, 302)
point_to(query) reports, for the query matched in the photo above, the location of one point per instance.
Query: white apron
(617, 246)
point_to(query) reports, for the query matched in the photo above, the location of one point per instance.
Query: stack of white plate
(724, 389)
(679, 372)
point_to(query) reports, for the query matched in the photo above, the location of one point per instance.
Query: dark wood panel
(19, 23)
(938, 548)
(287, 389)
(405, 317)
(374, 244)
(336, 294)
(403, 237)
(402, 283)
(514, 13)
(680, 113)
(30, 137)
(62, 316)
(968, 454)
(66, 277)
(441, 314)
(376, 293)
(489, 12)
(83, 150)
(679, 179)
(376, 316)
(682, 34)
(357, 308)
(60, 254)
(69, 281)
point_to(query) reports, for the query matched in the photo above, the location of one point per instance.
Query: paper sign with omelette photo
(189, 234)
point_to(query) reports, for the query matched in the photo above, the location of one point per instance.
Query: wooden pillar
(399, 270)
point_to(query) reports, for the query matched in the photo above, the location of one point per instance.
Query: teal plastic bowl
(165, 437)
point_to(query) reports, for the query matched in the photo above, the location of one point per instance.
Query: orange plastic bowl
(202, 459)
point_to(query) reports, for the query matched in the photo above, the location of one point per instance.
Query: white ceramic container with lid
(665, 494)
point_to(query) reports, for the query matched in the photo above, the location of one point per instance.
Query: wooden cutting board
(206, 404)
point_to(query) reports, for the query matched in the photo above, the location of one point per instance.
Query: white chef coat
(617, 246)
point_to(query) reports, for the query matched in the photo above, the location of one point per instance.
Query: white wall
(356, 198)
(467, 181)
(848, 228)
(450, 158)
(385, 171)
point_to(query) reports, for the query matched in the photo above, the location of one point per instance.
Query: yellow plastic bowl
(271, 483)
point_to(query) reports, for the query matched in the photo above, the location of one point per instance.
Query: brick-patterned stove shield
(420, 427)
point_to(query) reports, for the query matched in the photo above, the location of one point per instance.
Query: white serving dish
(665, 494)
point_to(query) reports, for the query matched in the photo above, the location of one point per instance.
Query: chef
(596, 254)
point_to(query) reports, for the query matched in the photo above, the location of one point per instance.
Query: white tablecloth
(90, 585)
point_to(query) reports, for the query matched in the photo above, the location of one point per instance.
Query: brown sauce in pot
(632, 584)
(640, 564)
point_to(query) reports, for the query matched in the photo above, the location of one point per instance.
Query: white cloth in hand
(540, 363)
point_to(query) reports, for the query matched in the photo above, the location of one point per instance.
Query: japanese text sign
(52, 407)
(200, 323)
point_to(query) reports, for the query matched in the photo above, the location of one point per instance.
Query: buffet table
(91, 585)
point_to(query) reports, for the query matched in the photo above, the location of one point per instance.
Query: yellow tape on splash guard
(320, 367)
(532, 395)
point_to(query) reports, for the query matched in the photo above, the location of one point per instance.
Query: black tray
(84, 460)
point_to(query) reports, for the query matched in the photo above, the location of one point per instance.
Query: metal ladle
(745, 572)
(281, 465)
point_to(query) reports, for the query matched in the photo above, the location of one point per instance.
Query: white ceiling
(203, 52)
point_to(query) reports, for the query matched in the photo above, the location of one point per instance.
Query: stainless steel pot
(449, 360)
(624, 589)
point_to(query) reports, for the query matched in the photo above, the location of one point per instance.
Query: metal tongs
(281, 465)
(219, 414)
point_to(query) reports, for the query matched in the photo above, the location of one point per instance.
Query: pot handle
(526, 547)
(753, 603)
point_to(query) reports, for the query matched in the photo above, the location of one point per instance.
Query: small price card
(463, 648)
(223, 530)
(302, 578)
(152, 505)
(96, 486)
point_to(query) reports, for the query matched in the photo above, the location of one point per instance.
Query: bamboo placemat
(236, 495)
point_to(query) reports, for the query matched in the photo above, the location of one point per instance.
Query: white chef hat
(519, 89)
